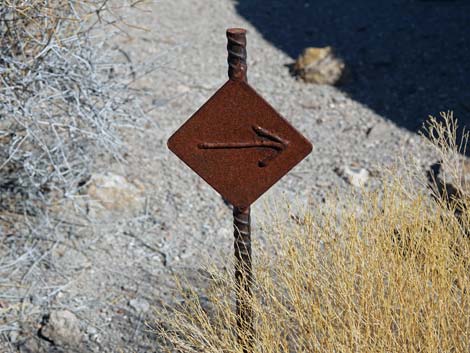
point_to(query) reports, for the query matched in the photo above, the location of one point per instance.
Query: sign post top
(236, 47)
(236, 31)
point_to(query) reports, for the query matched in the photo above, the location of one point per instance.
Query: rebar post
(243, 276)
(236, 47)
(237, 69)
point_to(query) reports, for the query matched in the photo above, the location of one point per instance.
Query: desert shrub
(392, 275)
(60, 103)
(64, 101)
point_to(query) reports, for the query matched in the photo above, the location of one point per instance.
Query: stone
(140, 305)
(114, 192)
(353, 175)
(320, 66)
(452, 178)
(13, 336)
(91, 330)
(29, 346)
(62, 328)
(378, 132)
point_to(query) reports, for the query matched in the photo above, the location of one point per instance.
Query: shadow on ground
(408, 58)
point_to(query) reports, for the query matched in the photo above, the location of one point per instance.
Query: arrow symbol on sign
(265, 139)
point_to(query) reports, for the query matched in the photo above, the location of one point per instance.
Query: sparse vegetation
(60, 102)
(390, 276)
(63, 101)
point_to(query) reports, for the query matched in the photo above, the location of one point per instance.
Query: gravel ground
(111, 271)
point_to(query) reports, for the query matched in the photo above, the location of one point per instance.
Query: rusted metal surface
(236, 141)
(243, 275)
(266, 139)
(236, 47)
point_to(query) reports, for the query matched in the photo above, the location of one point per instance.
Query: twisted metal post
(237, 69)
(236, 47)
(243, 276)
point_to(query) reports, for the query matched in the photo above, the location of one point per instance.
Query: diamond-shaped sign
(239, 144)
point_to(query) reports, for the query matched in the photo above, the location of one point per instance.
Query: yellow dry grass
(390, 276)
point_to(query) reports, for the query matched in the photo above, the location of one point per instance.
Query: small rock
(319, 65)
(13, 336)
(62, 328)
(452, 177)
(355, 176)
(208, 306)
(29, 346)
(378, 132)
(140, 305)
(115, 192)
(91, 330)
(182, 88)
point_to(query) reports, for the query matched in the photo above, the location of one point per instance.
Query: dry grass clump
(390, 276)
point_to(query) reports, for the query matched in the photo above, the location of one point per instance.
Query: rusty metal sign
(239, 144)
